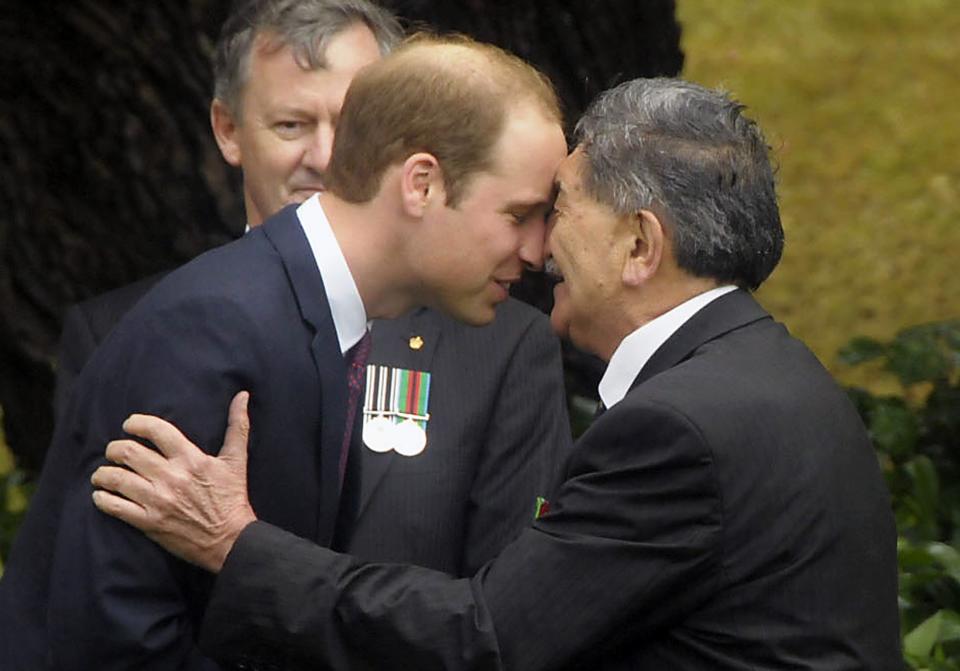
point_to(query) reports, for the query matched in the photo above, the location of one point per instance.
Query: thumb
(238, 431)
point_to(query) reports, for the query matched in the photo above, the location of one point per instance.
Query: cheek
(560, 314)
(285, 160)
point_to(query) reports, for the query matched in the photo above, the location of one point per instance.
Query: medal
(395, 410)
(377, 434)
(409, 438)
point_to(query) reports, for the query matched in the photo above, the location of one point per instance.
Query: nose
(317, 155)
(532, 244)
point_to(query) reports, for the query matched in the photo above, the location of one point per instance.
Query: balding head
(447, 96)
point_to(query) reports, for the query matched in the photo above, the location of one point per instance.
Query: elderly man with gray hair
(726, 511)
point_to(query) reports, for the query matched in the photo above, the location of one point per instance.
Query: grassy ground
(859, 100)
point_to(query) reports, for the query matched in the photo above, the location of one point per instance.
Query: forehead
(351, 49)
(527, 154)
(569, 182)
(274, 69)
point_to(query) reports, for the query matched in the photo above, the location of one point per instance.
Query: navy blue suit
(85, 591)
(497, 435)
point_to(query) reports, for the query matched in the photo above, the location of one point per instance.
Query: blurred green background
(859, 100)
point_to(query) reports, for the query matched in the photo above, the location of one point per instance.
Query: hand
(192, 504)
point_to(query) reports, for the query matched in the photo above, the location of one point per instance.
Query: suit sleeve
(118, 601)
(527, 442)
(632, 545)
(77, 343)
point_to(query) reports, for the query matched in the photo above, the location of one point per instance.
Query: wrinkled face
(474, 251)
(582, 249)
(283, 137)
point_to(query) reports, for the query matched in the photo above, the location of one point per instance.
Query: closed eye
(289, 129)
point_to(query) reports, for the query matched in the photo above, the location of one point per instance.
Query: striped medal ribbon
(395, 410)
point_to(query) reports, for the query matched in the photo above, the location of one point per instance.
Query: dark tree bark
(109, 172)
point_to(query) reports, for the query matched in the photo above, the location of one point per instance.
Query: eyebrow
(526, 206)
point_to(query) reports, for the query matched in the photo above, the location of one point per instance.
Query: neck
(647, 302)
(369, 237)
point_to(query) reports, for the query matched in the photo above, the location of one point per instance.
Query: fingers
(119, 507)
(238, 430)
(161, 433)
(126, 483)
(141, 459)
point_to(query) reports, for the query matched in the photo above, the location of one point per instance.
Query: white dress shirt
(635, 350)
(346, 306)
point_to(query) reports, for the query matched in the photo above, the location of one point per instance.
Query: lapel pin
(416, 343)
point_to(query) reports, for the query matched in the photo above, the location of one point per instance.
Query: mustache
(552, 270)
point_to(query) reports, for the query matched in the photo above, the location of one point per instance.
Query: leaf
(950, 626)
(925, 486)
(918, 644)
(913, 555)
(893, 427)
(861, 349)
(916, 355)
(948, 557)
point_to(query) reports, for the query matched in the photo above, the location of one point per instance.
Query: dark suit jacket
(497, 436)
(729, 513)
(84, 591)
(85, 326)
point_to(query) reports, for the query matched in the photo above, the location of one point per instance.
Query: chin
(473, 315)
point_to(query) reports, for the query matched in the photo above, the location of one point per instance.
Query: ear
(421, 181)
(225, 131)
(647, 238)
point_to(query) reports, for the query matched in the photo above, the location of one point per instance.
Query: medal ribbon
(397, 393)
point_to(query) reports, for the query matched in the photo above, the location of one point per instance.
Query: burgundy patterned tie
(356, 365)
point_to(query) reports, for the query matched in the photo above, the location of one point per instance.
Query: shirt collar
(635, 350)
(346, 306)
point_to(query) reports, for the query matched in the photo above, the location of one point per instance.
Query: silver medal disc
(378, 434)
(409, 438)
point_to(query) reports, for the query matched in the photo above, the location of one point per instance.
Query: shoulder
(99, 314)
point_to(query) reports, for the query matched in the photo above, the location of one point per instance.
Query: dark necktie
(356, 365)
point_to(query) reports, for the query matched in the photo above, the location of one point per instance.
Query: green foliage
(917, 436)
(15, 490)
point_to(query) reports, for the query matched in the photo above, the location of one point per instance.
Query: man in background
(726, 511)
(281, 70)
(416, 211)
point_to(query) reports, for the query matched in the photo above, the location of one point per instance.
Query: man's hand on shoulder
(193, 504)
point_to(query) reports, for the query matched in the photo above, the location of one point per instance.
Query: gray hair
(688, 154)
(306, 26)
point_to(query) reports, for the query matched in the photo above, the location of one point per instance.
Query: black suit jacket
(84, 591)
(85, 326)
(729, 513)
(497, 437)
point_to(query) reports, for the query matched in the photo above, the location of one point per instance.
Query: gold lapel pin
(416, 343)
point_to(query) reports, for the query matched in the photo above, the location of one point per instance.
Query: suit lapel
(285, 233)
(729, 312)
(392, 347)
